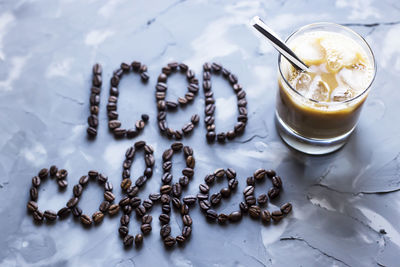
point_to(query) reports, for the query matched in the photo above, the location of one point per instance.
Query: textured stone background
(341, 201)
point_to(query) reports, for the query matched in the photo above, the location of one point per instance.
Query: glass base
(309, 145)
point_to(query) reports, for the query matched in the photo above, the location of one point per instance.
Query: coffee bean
(94, 101)
(209, 120)
(148, 204)
(36, 181)
(265, 216)
(273, 192)
(32, 206)
(124, 201)
(243, 207)
(62, 183)
(38, 216)
(189, 96)
(182, 101)
(209, 179)
(180, 239)
(277, 215)
(235, 216)
(211, 128)
(91, 131)
(165, 230)
(209, 110)
(104, 206)
(149, 160)
(225, 192)
(165, 189)
(277, 181)
(133, 191)
(111, 106)
(249, 190)
(148, 172)
(34, 193)
(124, 220)
(183, 67)
(123, 231)
(169, 241)
(165, 198)
(204, 188)
(72, 202)
(140, 211)
(114, 124)
(167, 165)
(119, 132)
(84, 180)
(93, 174)
(184, 209)
(177, 190)
(108, 186)
(184, 181)
(109, 196)
(250, 181)
(63, 212)
(61, 174)
(187, 220)
(201, 197)
(215, 198)
(250, 200)
(177, 146)
(53, 170)
(113, 209)
(195, 119)
(233, 183)
(155, 197)
(189, 200)
(242, 103)
(211, 215)
(50, 215)
(187, 151)
(188, 172)
(209, 100)
(270, 173)
(167, 155)
(286, 208)
(188, 128)
(205, 205)
(114, 91)
(85, 220)
(98, 217)
(216, 67)
(139, 125)
(135, 202)
(225, 72)
(115, 81)
(239, 127)
(186, 231)
(222, 218)
(232, 78)
(221, 137)
(138, 240)
(254, 211)
(128, 240)
(259, 174)
(164, 218)
(102, 178)
(77, 190)
(126, 184)
(262, 199)
(136, 65)
(147, 219)
(219, 173)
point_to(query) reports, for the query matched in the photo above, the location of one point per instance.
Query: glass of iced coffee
(316, 111)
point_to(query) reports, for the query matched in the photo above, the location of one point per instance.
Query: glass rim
(346, 29)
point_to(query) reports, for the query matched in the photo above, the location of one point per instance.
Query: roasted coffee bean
(184, 181)
(222, 218)
(254, 211)
(53, 170)
(259, 174)
(211, 215)
(38, 215)
(138, 240)
(250, 181)
(250, 200)
(230, 173)
(194, 88)
(50, 215)
(235, 216)
(127, 164)
(139, 144)
(135, 202)
(126, 184)
(195, 119)
(130, 153)
(186, 231)
(187, 220)
(188, 128)
(124, 220)
(242, 118)
(111, 106)
(115, 80)
(62, 183)
(270, 173)
(94, 101)
(189, 200)
(128, 240)
(147, 219)
(97, 69)
(170, 133)
(188, 172)
(241, 94)
(225, 72)
(190, 74)
(206, 66)
(249, 190)
(182, 101)
(216, 67)
(139, 125)
(86, 220)
(63, 212)
(34, 193)
(206, 75)
(72, 202)
(93, 174)
(277, 215)
(180, 239)
(165, 189)
(155, 197)
(127, 209)
(242, 103)
(136, 65)
(232, 78)
(205, 205)
(273, 193)
(43, 173)
(114, 91)
(184, 209)
(109, 196)
(189, 96)
(215, 198)
(225, 192)
(144, 76)
(108, 186)
(167, 165)
(171, 105)
(123, 231)
(77, 190)
(104, 206)
(36, 181)
(149, 160)
(211, 128)
(133, 191)
(114, 124)
(32, 206)
(201, 197)
(98, 217)
(277, 181)
(239, 127)
(119, 132)
(187, 151)
(262, 199)
(209, 110)
(221, 137)
(165, 198)
(167, 155)
(131, 133)
(243, 207)
(148, 204)
(124, 201)
(164, 218)
(169, 241)
(210, 100)
(102, 178)
(140, 211)
(204, 188)
(233, 183)
(113, 209)
(206, 85)
(265, 216)
(177, 190)
(162, 78)
(84, 180)
(286, 208)
(165, 230)
(209, 179)
(91, 131)
(61, 174)
(219, 173)
(141, 181)
(177, 146)
(209, 120)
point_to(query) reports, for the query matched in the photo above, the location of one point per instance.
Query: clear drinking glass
(311, 126)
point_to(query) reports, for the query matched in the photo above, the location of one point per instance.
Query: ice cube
(354, 78)
(309, 50)
(319, 90)
(341, 93)
(303, 82)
